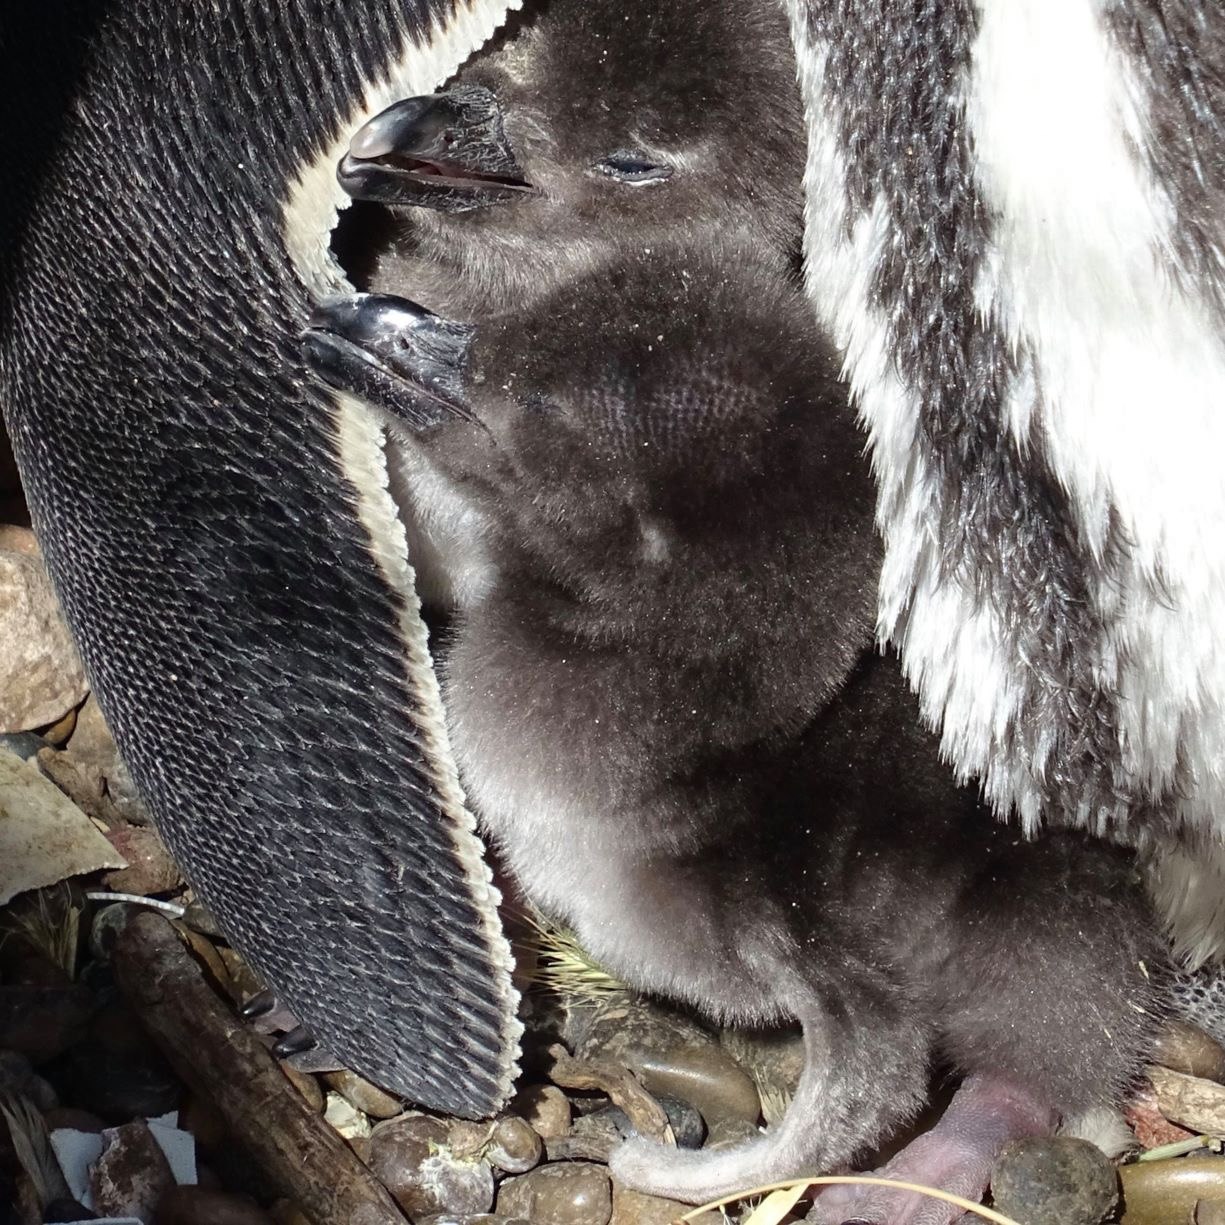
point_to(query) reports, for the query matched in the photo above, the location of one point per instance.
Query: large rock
(42, 677)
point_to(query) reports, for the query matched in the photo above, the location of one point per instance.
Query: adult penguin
(1014, 230)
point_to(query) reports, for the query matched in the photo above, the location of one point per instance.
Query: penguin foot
(296, 1046)
(955, 1156)
(443, 151)
(267, 1014)
(299, 1049)
(393, 354)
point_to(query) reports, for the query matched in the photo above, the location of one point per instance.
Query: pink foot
(955, 1156)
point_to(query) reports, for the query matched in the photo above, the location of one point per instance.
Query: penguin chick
(668, 716)
(588, 127)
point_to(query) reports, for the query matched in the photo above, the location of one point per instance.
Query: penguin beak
(393, 354)
(443, 151)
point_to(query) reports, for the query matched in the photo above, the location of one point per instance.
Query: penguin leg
(955, 1156)
(865, 1073)
(297, 1046)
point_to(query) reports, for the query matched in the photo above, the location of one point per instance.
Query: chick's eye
(628, 167)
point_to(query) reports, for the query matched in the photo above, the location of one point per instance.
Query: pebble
(17, 1077)
(706, 1076)
(92, 748)
(727, 1133)
(569, 1193)
(196, 1206)
(345, 1118)
(1166, 1192)
(634, 1208)
(367, 1098)
(411, 1156)
(42, 676)
(687, 1125)
(306, 1084)
(150, 868)
(131, 1175)
(1209, 1214)
(104, 929)
(623, 1022)
(43, 1022)
(1054, 1180)
(470, 1218)
(1190, 1101)
(1185, 1048)
(514, 1147)
(774, 1059)
(508, 1144)
(670, 1053)
(546, 1108)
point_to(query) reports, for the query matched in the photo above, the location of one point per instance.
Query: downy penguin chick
(668, 717)
(588, 127)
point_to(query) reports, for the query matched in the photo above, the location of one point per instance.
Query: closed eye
(634, 168)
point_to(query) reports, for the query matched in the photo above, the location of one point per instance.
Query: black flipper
(215, 522)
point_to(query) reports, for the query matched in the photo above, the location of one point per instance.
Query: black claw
(393, 354)
(259, 1005)
(297, 1042)
(442, 151)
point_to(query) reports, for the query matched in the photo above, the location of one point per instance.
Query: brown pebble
(546, 1108)
(412, 1158)
(306, 1085)
(1185, 1048)
(150, 868)
(514, 1146)
(42, 675)
(131, 1175)
(59, 731)
(634, 1208)
(706, 1076)
(362, 1095)
(1190, 1101)
(1054, 1180)
(196, 1206)
(1166, 1192)
(570, 1193)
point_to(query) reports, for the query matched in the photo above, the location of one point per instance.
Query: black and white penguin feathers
(1014, 228)
(667, 713)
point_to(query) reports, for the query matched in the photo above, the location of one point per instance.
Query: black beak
(443, 151)
(393, 354)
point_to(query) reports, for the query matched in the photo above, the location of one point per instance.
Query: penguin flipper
(217, 526)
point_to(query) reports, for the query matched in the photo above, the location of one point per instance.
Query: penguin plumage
(667, 712)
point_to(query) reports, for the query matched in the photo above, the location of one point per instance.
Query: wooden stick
(221, 1059)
